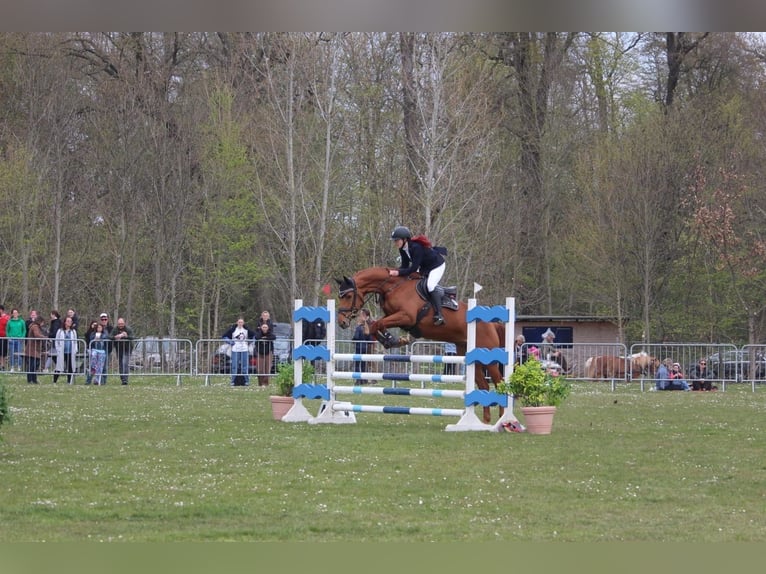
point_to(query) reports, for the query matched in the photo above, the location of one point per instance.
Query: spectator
(86, 337)
(31, 319)
(667, 380)
(66, 351)
(663, 374)
(75, 319)
(16, 330)
(677, 381)
(550, 352)
(264, 348)
(362, 344)
(34, 349)
(122, 340)
(701, 377)
(108, 328)
(3, 341)
(53, 328)
(519, 350)
(450, 349)
(265, 318)
(314, 333)
(239, 337)
(97, 339)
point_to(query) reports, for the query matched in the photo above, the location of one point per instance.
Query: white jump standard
(337, 411)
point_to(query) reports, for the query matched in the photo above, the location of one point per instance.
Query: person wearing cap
(677, 381)
(550, 352)
(103, 319)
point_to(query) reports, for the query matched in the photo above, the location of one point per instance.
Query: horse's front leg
(380, 330)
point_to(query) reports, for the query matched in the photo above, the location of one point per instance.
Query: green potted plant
(285, 381)
(538, 391)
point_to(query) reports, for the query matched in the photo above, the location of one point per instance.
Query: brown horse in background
(402, 307)
(613, 367)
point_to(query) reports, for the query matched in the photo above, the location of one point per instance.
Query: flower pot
(280, 406)
(539, 420)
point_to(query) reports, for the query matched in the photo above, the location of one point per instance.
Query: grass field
(158, 462)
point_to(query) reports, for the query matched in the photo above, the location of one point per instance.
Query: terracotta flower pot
(539, 420)
(280, 406)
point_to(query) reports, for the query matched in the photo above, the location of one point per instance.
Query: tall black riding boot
(436, 301)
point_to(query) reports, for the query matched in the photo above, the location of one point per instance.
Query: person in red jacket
(3, 341)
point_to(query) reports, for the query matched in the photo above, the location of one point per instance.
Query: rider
(421, 257)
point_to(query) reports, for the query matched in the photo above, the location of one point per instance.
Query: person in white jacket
(66, 351)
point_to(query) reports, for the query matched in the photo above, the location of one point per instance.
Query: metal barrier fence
(212, 358)
(151, 356)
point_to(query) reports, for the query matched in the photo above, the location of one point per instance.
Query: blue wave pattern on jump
(486, 356)
(488, 314)
(486, 399)
(312, 314)
(305, 390)
(311, 352)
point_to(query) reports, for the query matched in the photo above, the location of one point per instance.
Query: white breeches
(435, 276)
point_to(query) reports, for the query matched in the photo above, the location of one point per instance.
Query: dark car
(732, 364)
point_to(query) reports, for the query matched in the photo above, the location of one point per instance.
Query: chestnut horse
(611, 366)
(402, 307)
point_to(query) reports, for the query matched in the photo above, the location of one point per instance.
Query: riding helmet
(401, 232)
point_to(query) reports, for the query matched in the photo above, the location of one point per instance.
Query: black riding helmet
(401, 232)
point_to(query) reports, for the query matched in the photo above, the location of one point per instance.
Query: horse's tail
(500, 328)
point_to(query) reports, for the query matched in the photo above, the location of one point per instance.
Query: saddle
(448, 294)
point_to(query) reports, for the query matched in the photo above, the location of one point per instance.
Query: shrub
(285, 378)
(5, 408)
(534, 386)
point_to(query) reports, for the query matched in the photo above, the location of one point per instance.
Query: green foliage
(533, 386)
(285, 379)
(5, 407)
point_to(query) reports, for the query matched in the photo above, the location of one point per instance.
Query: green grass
(158, 462)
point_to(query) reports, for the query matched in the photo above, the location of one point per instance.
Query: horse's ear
(338, 281)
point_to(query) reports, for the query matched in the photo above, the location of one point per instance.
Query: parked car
(283, 345)
(146, 355)
(732, 364)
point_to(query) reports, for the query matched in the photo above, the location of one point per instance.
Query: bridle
(351, 312)
(349, 286)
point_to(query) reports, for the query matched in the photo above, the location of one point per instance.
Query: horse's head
(350, 299)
